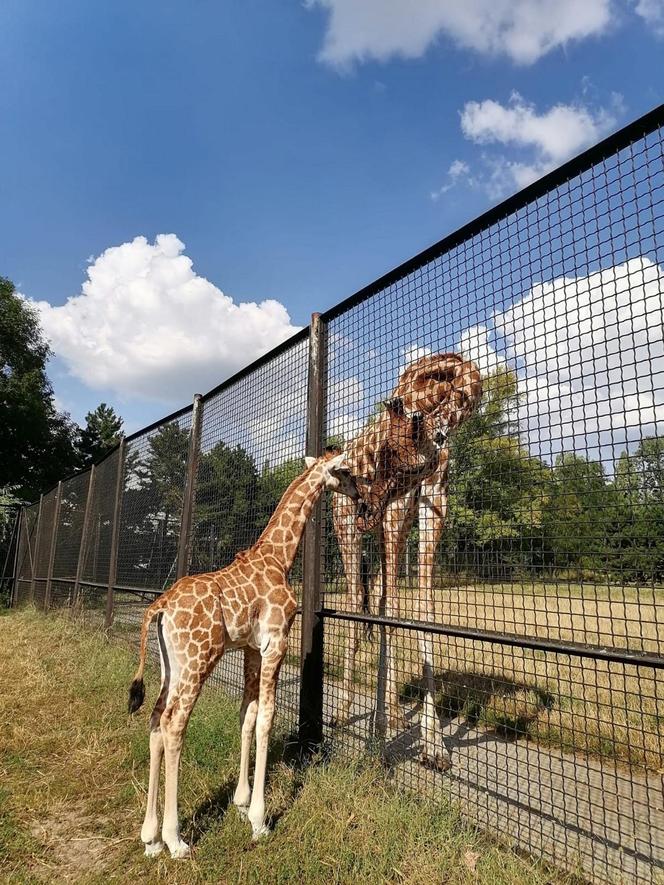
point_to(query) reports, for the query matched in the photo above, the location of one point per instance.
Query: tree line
(39, 444)
(510, 512)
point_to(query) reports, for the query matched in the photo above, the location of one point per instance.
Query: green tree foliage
(498, 491)
(227, 517)
(152, 506)
(272, 484)
(638, 538)
(579, 517)
(102, 432)
(37, 442)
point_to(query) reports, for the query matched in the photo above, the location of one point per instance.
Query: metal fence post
(82, 549)
(15, 539)
(33, 562)
(311, 656)
(51, 552)
(115, 536)
(184, 542)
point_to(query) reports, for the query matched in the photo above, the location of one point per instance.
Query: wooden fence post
(83, 546)
(184, 541)
(115, 536)
(52, 550)
(35, 556)
(311, 655)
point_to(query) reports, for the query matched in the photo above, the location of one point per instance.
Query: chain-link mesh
(153, 492)
(73, 499)
(96, 547)
(252, 446)
(26, 550)
(43, 544)
(536, 511)
(493, 617)
(9, 525)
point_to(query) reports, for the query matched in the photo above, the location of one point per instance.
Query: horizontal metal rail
(126, 588)
(557, 646)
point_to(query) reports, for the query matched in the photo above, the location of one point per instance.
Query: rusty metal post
(311, 656)
(115, 536)
(184, 542)
(33, 563)
(51, 552)
(83, 546)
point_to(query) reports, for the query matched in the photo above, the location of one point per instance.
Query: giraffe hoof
(260, 832)
(152, 849)
(438, 761)
(243, 811)
(181, 852)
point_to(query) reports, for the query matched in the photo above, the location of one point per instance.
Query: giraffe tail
(137, 687)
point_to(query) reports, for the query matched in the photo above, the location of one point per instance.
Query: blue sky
(295, 151)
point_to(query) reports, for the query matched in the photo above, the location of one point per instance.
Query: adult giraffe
(402, 460)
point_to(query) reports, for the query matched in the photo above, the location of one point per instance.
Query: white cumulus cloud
(545, 138)
(146, 324)
(458, 171)
(556, 134)
(589, 355)
(522, 30)
(652, 12)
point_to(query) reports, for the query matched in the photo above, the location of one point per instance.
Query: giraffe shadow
(505, 706)
(213, 807)
(208, 812)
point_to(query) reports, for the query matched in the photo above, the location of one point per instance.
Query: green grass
(73, 771)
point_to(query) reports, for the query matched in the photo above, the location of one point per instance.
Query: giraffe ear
(309, 461)
(339, 461)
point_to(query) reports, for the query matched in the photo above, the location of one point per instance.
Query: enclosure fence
(539, 635)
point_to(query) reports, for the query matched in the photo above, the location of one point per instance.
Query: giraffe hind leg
(150, 829)
(248, 714)
(198, 659)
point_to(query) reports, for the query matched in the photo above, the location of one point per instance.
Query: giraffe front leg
(248, 713)
(432, 512)
(350, 546)
(398, 521)
(270, 666)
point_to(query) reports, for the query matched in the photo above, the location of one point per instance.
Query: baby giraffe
(247, 605)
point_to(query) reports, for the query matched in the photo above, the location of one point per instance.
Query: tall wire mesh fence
(493, 624)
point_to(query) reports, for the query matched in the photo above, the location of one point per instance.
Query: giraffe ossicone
(248, 605)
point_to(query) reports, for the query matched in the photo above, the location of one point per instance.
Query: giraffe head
(434, 395)
(335, 473)
(444, 389)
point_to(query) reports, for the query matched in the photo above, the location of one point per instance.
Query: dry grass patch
(604, 709)
(74, 774)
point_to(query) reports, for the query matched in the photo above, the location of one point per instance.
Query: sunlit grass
(74, 775)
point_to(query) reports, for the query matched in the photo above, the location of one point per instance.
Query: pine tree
(102, 433)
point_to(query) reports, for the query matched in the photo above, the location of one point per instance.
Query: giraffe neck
(283, 533)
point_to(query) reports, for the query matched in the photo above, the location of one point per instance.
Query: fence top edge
(612, 144)
(622, 138)
(301, 335)
(261, 361)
